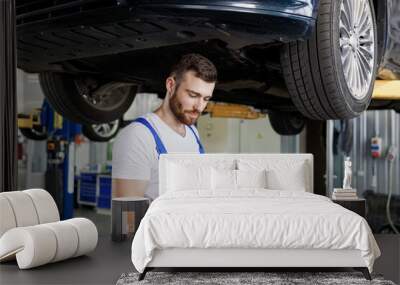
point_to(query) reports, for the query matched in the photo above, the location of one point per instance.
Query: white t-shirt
(135, 155)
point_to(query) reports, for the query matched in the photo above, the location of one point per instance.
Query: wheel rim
(39, 131)
(107, 97)
(106, 130)
(357, 45)
(297, 121)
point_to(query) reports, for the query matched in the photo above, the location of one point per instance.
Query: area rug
(230, 278)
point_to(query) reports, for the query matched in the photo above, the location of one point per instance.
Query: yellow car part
(386, 90)
(224, 110)
(27, 121)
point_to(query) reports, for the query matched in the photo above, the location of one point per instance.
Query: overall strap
(201, 148)
(159, 145)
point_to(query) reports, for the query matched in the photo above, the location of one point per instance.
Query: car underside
(105, 51)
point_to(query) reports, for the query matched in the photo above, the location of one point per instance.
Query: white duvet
(250, 218)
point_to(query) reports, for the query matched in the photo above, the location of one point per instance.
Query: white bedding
(251, 218)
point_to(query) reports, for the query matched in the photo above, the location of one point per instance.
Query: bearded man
(169, 129)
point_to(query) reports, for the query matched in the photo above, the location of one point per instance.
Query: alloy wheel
(357, 45)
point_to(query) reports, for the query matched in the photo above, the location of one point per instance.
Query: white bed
(202, 220)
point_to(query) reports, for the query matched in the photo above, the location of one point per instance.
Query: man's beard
(182, 115)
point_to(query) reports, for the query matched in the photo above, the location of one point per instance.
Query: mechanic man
(169, 129)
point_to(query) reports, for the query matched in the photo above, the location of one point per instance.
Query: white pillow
(293, 179)
(282, 174)
(223, 179)
(251, 178)
(183, 177)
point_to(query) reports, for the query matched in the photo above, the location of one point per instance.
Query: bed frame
(241, 259)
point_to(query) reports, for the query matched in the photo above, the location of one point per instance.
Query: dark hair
(201, 66)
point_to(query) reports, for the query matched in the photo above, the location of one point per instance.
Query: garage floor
(102, 221)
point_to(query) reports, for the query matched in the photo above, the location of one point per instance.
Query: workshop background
(271, 55)
(78, 169)
(231, 135)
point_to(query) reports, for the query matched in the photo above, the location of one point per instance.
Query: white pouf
(31, 232)
(7, 220)
(41, 244)
(33, 246)
(23, 208)
(87, 234)
(46, 208)
(67, 240)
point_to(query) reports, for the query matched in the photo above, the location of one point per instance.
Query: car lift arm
(386, 90)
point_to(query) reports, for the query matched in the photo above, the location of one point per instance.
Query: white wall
(219, 134)
(229, 135)
(20, 91)
(143, 104)
(257, 136)
(29, 93)
(29, 97)
(82, 155)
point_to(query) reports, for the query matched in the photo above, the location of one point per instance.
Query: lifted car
(297, 59)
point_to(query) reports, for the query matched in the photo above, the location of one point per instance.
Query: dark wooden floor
(103, 266)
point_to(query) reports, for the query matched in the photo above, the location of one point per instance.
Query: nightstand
(127, 212)
(357, 205)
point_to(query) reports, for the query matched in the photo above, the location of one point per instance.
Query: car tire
(37, 133)
(101, 132)
(321, 84)
(285, 123)
(87, 101)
